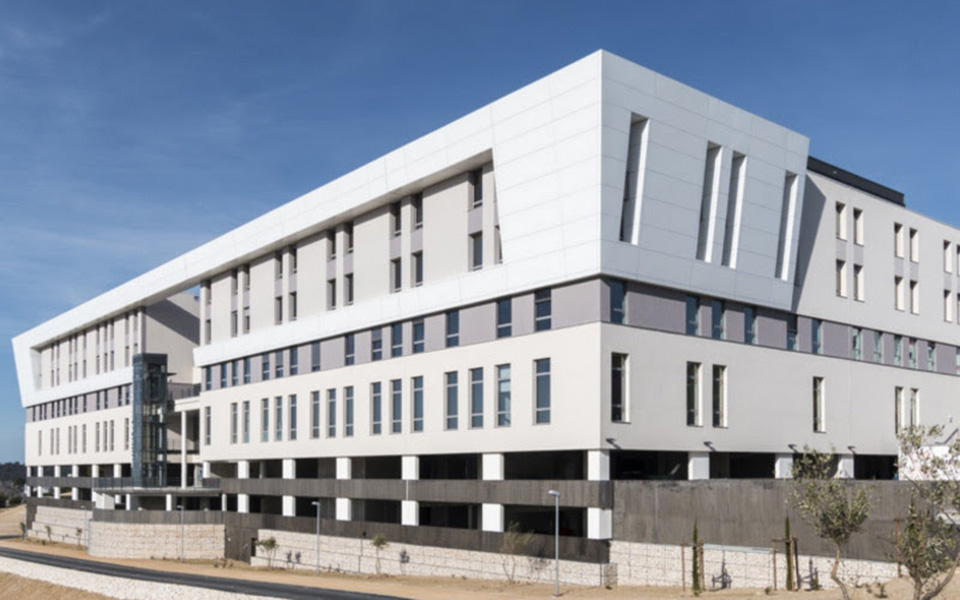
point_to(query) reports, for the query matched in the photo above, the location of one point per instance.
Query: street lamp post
(556, 542)
(317, 504)
(180, 508)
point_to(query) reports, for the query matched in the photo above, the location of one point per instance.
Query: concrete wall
(63, 523)
(142, 540)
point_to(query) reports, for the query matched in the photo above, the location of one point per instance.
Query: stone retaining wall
(138, 540)
(63, 524)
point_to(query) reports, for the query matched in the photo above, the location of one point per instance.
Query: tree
(79, 534)
(379, 542)
(929, 545)
(514, 543)
(269, 546)
(828, 504)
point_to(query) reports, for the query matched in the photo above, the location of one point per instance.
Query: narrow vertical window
(278, 310)
(451, 399)
(453, 328)
(348, 236)
(633, 180)
(331, 413)
(858, 283)
(417, 269)
(948, 306)
(349, 349)
(235, 373)
(899, 301)
(693, 394)
(719, 317)
(476, 398)
(816, 335)
(376, 408)
(787, 210)
(348, 411)
(223, 375)
(878, 347)
(246, 421)
(396, 339)
(348, 289)
(914, 297)
(931, 356)
(792, 332)
(542, 310)
(417, 204)
(719, 396)
(207, 380)
(708, 202)
(265, 366)
(278, 418)
(396, 400)
(503, 395)
(293, 306)
(294, 360)
(914, 407)
(731, 234)
(207, 422)
(331, 294)
(292, 418)
(331, 245)
(476, 183)
(914, 245)
(278, 367)
(693, 315)
(504, 318)
(265, 420)
(897, 410)
(856, 343)
(418, 336)
(618, 388)
(396, 225)
(841, 279)
(396, 275)
(898, 350)
(233, 423)
(417, 385)
(858, 227)
(314, 415)
(841, 220)
(819, 422)
(476, 251)
(750, 326)
(618, 295)
(898, 245)
(376, 343)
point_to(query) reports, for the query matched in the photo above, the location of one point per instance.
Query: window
(418, 343)
(841, 279)
(278, 310)
(819, 422)
(451, 399)
(618, 295)
(914, 407)
(856, 342)
(246, 421)
(719, 310)
(314, 356)
(693, 315)
(278, 420)
(292, 419)
(234, 324)
(719, 396)
(246, 319)
(396, 339)
(841, 221)
(476, 251)
(898, 240)
(314, 415)
(897, 409)
(417, 385)
(958, 362)
(791, 332)
(331, 413)
(453, 328)
(504, 318)
(233, 423)
(278, 264)
(542, 390)
(914, 245)
(816, 327)
(265, 420)
(750, 326)
(503, 395)
(931, 356)
(376, 343)
(858, 284)
(476, 182)
(948, 306)
(618, 388)
(693, 394)
(858, 226)
(947, 257)
(396, 395)
(914, 297)
(348, 411)
(708, 202)
(349, 345)
(278, 367)
(912, 353)
(395, 222)
(396, 281)
(878, 347)
(331, 294)
(348, 289)
(348, 236)
(265, 366)
(476, 397)
(417, 211)
(376, 408)
(207, 382)
(542, 310)
(417, 270)
(294, 361)
(899, 301)
(898, 350)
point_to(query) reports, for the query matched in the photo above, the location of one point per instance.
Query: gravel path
(114, 587)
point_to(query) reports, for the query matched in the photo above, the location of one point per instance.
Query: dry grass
(22, 588)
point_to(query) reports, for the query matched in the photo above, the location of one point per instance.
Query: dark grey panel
(477, 324)
(523, 314)
(836, 340)
(771, 328)
(657, 308)
(734, 326)
(577, 303)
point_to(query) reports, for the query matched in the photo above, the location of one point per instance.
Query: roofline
(861, 183)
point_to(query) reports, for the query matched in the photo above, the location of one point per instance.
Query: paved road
(223, 584)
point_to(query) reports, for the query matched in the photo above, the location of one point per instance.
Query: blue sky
(131, 132)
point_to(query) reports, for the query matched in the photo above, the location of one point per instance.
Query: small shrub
(379, 542)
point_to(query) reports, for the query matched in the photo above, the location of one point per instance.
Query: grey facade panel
(577, 303)
(657, 308)
(478, 323)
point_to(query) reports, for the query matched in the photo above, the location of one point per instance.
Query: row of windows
(104, 360)
(77, 438)
(78, 404)
(386, 402)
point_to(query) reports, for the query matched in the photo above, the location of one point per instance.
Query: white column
(117, 474)
(344, 471)
(206, 469)
(845, 466)
(491, 515)
(75, 492)
(243, 500)
(698, 465)
(783, 466)
(409, 509)
(56, 488)
(289, 502)
(183, 449)
(599, 520)
(94, 496)
(169, 498)
(598, 465)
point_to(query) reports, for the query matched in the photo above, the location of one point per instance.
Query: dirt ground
(415, 588)
(12, 586)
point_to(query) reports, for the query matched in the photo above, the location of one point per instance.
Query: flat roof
(861, 183)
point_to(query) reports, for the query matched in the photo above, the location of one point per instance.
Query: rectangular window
(331, 245)
(914, 407)
(417, 269)
(504, 318)
(503, 396)
(235, 373)
(719, 310)
(417, 385)
(542, 310)
(331, 294)
(234, 323)
(476, 182)
(453, 328)
(897, 409)
(278, 414)
(899, 297)
(878, 347)
(898, 350)
(859, 292)
(858, 227)
(719, 396)
(294, 360)
(542, 390)
(914, 245)
(206, 429)
(348, 411)
(418, 336)
(396, 339)
(348, 289)
(948, 306)
(842, 279)
(246, 319)
(376, 408)
(693, 315)
(618, 388)
(396, 225)
(618, 296)
(476, 251)
(246, 421)
(233, 423)
(265, 366)
(292, 419)
(693, 394)
(348, 236)
(841, 220)
(898, 246)
(293, 306)
(731, 238)
(947, 257)
(207, 382)
(914, 297)
(376, 343)
(278, 264)
(314, 415)
(856, 343)
(396, 409)
(223, 375)
(931, 356)
(278, 367)
(314, 356)
(787, 210)
(331, 413)
(708, 202)
(476, 398)
(417, 211)
(912, 353)
(349, 349)
(750, 326)
(816, 335)
(451, 399)
(957, 369)
(819, 406)
(278, 310)
(265, 420)
(791, 332)
(396, 275)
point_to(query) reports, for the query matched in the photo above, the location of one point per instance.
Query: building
(606, 276)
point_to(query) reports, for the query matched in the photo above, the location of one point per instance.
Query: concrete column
(289, 502)
(344, 471)
(491, 469)
(206, 469)
(491, 517)
(170, 505)
(117, 474)
(598, 465)
(845, 466)
(409, 509)
(783, 466)
(94, 496)
(698, 465)
(183, 449)
(56, 489)
(243, 500)
(128, 502)
(75, 472)
(599, 520)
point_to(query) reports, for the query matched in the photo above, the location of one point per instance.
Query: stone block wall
(359, 556)
(140, 540)
(63, 523)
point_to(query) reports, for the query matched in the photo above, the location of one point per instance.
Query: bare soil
(22, 588)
